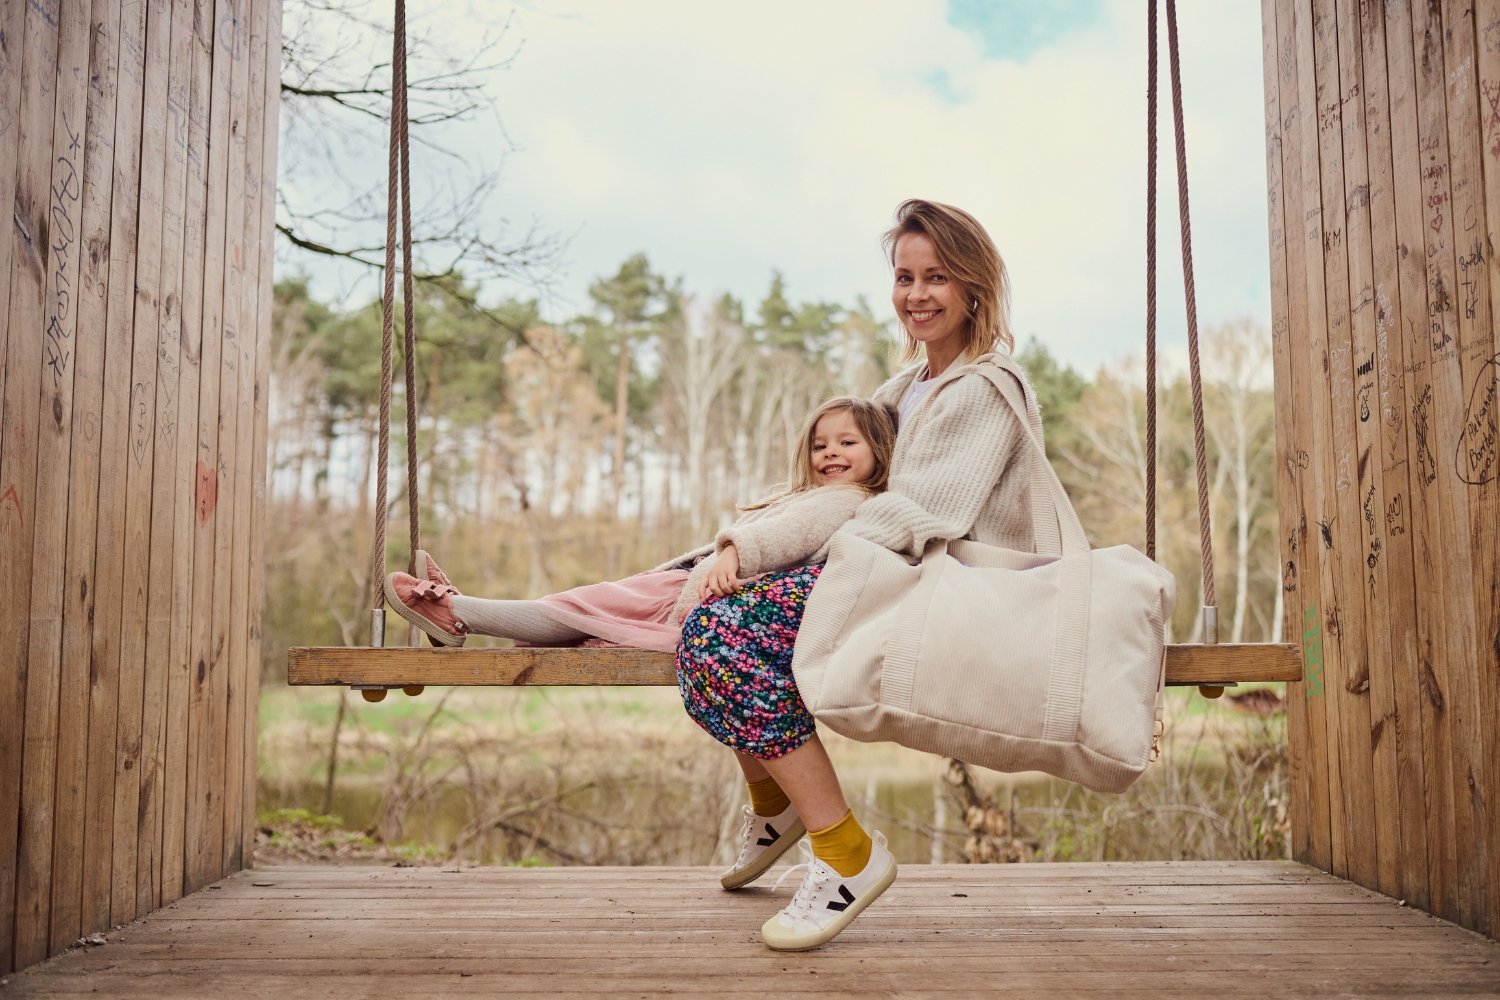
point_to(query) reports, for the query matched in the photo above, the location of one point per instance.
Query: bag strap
(1054, 521)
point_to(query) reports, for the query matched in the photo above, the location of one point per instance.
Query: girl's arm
(948, 468)
(794, 532)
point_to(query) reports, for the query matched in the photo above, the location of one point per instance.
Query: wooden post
(138, 250)
(1384, 194)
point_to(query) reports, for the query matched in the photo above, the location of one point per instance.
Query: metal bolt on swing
(374, 692)
(1211, 638)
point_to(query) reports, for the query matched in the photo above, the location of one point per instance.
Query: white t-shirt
(915, 393)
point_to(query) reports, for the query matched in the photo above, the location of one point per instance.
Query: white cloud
(725, 140)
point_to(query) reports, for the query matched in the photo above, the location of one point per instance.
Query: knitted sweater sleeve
(794, 532)
(947, 469)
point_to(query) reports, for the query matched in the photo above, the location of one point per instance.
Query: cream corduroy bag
(1050, 661)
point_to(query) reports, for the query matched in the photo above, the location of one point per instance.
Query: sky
(725, 140)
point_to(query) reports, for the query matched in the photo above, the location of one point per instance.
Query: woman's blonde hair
(966, 250)
(876, 423)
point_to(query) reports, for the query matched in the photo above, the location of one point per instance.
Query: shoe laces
(818, 875)
(747, 831)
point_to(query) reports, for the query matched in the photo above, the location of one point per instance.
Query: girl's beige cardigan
(793, 531)
(958, 470)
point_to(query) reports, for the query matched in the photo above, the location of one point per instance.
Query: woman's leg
(808, 778)
(519, 620)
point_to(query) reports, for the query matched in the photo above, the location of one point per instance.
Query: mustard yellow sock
(767, 798)
(844, 846)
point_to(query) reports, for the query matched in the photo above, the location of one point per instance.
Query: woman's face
(929, 303)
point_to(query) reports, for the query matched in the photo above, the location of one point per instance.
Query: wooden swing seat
(1210, 668)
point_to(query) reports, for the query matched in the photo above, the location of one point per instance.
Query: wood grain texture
(104, 263)
(231, 547)
(1392, 387)
(1402, 727)
(1471, 468)
(73, 901)
(55, 809)
(1347, 700)
(12, 622)
(1487, 56)
(264, 304)
(34, 727)
(1449, 571)
(1045, 930)
(1382, 856)
(205, 658)
(401, 665)
(110, 556)
(1288, 331)
(84, 596)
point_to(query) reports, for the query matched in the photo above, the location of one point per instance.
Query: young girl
(842, 457)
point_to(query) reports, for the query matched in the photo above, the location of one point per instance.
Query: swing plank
(573, 667)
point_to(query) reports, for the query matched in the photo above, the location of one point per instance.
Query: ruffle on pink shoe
(426, 605)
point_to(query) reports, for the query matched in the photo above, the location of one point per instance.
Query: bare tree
(336, 107)
(1243, 430)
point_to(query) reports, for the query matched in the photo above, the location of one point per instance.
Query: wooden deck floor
(1117, 930)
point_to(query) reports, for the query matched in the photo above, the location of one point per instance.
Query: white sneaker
(763, 839)
(827, 902)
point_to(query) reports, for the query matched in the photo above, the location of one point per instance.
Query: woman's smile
(928, 300)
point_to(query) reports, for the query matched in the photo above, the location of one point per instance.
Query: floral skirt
(734, 665)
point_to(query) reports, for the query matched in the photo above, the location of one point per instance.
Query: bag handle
(1061, 531)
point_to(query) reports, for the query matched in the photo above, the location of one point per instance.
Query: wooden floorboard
(1118, 930)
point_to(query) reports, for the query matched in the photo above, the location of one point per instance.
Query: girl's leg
(766, 796)
(519, 620)
(753, 770)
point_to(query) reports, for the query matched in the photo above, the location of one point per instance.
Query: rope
(1205, 524)
(398, 203)
(413, 508)
(387, 330)
(1151, 279)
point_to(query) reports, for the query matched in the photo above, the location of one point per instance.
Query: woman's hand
(723, 576)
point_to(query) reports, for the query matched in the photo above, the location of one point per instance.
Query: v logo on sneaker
(758, 853)
(827, 902)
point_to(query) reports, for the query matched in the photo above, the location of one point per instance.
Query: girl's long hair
(966, 250)
(877, 425)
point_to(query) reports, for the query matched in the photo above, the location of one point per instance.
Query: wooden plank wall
(137, 148)
(1383, 179)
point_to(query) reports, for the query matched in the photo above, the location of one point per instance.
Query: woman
(953, 476)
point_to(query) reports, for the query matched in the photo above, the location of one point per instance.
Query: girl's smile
(840, 453)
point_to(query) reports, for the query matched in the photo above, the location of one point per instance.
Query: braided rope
(413, 507)
(1205, 524)
(398, 203)
(1151, 279)
(387, 336)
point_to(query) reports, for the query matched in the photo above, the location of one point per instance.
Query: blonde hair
(876, 423)
(966, 250)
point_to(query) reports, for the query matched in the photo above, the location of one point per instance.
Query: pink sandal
(426, 605)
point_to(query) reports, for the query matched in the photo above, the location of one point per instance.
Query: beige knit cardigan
(793, 531)
(959, 469)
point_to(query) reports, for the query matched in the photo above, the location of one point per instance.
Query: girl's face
(929, 303)
(840, 453)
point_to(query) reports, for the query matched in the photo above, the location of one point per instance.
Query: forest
(554, 453)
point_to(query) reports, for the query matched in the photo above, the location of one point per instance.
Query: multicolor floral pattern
(734, 665)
